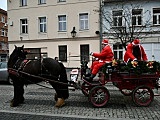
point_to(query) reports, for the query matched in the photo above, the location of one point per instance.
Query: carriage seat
(111, 67)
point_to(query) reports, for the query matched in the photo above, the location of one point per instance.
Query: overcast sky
(3, 4)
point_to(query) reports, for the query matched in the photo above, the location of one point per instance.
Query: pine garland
(137, 67)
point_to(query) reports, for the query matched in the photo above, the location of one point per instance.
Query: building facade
(129, 19)
(3, 36)
(46, 28)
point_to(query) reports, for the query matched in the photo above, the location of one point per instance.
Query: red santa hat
(136, 42)
(105, 42)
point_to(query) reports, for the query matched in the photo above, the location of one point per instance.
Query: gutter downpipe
(100, 24)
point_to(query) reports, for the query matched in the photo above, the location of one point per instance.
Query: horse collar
(20, 64)
(23, 64)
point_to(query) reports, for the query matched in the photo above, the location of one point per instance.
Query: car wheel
(10, 81)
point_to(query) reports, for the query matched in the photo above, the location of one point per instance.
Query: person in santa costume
(105, 56)
(135, 52)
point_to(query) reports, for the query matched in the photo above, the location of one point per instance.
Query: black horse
(47, 68)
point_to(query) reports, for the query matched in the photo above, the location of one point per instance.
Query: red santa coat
(106, 55)
(129, 53)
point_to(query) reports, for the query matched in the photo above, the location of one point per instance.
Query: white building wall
(52, 39)
(151, 42)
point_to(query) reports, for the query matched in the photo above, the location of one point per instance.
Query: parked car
(4, 76)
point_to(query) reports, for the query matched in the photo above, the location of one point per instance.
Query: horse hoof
(60, 102)
(60, 105)
(13, 103)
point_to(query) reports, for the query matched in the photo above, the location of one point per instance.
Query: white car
(4, 76)
(74, 77)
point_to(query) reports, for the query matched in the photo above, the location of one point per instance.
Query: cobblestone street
(39, 105)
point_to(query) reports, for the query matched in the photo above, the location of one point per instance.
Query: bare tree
(125, 21)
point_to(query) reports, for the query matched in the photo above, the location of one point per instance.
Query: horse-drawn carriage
(137, 79)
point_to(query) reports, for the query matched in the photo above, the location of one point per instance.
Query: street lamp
(73, 32)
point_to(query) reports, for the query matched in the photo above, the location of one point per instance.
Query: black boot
(88, 75)
(90, 78)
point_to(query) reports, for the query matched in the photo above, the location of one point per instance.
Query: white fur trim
(135, 44)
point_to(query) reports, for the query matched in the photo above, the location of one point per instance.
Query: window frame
(117, 18)
(62, 53)
(137, 16)
(42, 24)
(41, 2)
(61, 1)
(3, 32)
(83, 21)
(118, 51)
(84, 52)
(62, 24)
(2, 19)
(25, 25)
(157, 16)
(23, 2)
(35, 53)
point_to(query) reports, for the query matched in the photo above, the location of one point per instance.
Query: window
(156, 16)
(61, 0)
(23, 2)
(35, 53)
(3, 19)
(42, 24)
(83, 20)
(24, 26)
(2, 32)
(63, 53)
(137, 17)
(118, 51)
(41, 1)
(62, 23)
(84, 52)
(3, 58)
(117, 18)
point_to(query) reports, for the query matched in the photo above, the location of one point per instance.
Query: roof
(3, 11)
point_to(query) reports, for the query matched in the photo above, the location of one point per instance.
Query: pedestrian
(56, 58)
(135, 52)
(105, 56)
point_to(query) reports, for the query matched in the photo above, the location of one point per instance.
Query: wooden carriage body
(129, 78)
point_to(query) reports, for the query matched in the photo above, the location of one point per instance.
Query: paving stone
(39, 105)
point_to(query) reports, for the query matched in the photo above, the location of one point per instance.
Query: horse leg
(58, 97)
(62, 91)
(63, 78)
(18, 93)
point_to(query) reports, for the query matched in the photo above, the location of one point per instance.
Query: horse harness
(22, 63)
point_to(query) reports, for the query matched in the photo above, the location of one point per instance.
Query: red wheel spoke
(99, 96)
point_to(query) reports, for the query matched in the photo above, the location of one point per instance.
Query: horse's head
(19, 52)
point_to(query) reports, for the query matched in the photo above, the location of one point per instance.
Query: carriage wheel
(142, 96)
(126, 92)
(99, 96)
(85, 89)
